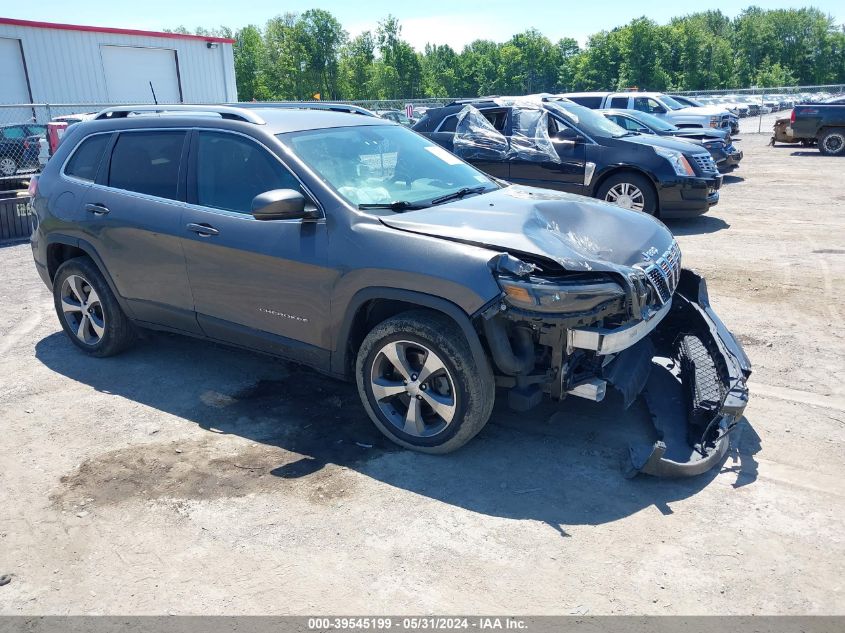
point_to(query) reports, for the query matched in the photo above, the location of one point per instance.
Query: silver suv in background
(661, 105)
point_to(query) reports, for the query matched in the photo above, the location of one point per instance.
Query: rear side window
(86, 159)
(147, 162)
(619, 102)
(587, 102)
(232, 170)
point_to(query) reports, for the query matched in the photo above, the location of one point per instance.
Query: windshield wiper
(460, 193)
(397, 205)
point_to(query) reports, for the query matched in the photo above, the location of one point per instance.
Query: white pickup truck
(660, 105)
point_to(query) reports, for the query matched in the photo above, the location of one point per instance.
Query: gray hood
(579, 233)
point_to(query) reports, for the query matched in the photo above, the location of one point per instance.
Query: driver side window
(231, 170)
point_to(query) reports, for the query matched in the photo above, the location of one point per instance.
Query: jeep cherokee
(355, 246)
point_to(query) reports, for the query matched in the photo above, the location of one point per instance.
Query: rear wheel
(88, 310)
(832, 142)
(420, 384)
(629, 191)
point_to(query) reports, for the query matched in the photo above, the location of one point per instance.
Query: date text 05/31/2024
(416, 623)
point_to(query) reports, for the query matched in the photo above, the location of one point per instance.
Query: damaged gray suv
(355, 246)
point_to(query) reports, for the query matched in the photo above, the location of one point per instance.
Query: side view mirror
(282, 204)
(644, 130)
(658, 110)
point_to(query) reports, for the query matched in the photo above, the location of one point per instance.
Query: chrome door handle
(97, 209)
(203, 230)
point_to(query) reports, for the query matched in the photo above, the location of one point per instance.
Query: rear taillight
(792, 116)
(33, 187)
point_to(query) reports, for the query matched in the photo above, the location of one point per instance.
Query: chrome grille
(705, 162)
(664, 274)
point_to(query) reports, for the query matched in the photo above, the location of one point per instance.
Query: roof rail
(307, 105)
(225, 112)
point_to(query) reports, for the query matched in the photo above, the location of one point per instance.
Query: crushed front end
(649, 331)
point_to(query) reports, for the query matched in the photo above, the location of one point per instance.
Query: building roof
(107, 29)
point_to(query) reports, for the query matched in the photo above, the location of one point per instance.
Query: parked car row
(753, 105)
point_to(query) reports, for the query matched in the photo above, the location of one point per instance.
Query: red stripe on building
(107, 29)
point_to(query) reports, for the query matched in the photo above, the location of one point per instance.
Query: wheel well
(58, 254)
(371, 313)
(631, 170)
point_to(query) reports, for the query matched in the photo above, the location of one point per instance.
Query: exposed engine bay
(658, 338)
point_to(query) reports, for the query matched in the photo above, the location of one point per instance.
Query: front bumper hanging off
(692, 373)
(696, 391)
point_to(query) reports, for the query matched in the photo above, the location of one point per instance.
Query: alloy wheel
(834, 143)
(413, 388)
(8, 167)
(626, 195)
(82, 310)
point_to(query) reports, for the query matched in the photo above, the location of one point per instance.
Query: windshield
(670, 103)
(588, 121)
(384, 164)
(655, 123)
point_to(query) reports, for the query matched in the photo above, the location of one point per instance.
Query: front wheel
(420, 384)
(629, 191)
(832, 142)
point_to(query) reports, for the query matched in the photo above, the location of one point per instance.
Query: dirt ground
(183, 477)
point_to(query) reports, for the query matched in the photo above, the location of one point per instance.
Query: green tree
(250, 65)
(320, 38)
(356, 67)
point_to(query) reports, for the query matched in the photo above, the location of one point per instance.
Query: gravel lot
(183, 477)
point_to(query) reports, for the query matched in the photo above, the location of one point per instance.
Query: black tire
(471, 387)
(642, 184)
(113, 332)
(832, 142)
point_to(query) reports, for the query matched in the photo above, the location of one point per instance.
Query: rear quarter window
(587, 102)
(86, 159)
(450, 124)
(147, 162)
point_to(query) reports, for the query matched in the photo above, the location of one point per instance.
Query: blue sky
(436, 21)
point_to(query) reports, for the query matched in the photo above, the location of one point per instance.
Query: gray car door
(132, 217)
(261, 284)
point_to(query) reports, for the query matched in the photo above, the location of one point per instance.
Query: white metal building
(42, 62)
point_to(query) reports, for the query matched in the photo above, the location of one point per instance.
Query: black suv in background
(355, 246)
(579, 151)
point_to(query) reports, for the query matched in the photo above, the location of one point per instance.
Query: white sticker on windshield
(443, 155)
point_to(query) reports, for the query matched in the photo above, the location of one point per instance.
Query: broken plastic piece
(507, 263)
(477, 139)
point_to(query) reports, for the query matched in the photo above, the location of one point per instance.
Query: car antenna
(153, 90)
